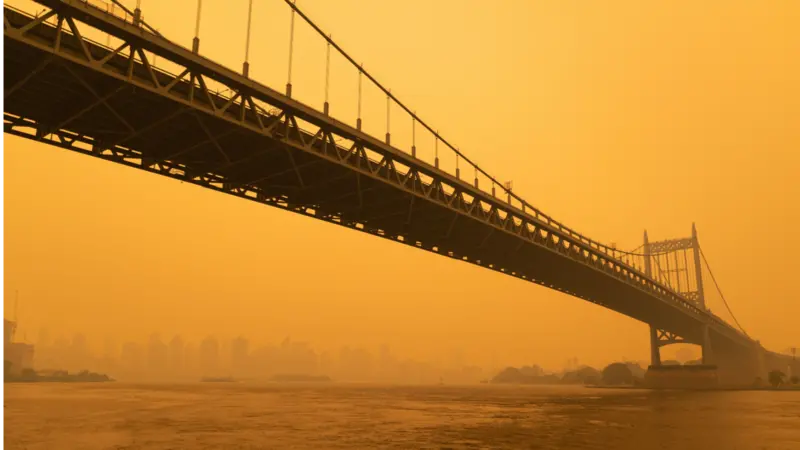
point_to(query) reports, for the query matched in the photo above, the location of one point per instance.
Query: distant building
(209, 355)
(239, 354)
(17, 355)
(177, 354)
(132, 357)
(157, 355)
(78, 353)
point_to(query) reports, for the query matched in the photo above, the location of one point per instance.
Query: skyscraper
(176, 355)
(239, 354)
(209, 355)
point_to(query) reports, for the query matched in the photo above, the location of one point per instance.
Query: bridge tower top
(701, 299)
(676, 263)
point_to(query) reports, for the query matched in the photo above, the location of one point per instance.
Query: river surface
(255, 416)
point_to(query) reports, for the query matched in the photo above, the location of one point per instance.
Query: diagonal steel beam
(188, 149)
(177, 112)
(383, 216)
(110, 55)
(97, 96)
(322, 183)
(21, 83)
(289, 151)
(410, 209)
(486, 238)
(452, 226)
(286, 171)
(37, 21)
(212, 138)
(398, 201)
(251, 156)
(88, 108)
(81, 40)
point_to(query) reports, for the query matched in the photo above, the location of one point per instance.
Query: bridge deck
(76, 94)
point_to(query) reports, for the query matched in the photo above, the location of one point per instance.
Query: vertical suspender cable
(327, 77)
(291, 49)
(413, 137)
(196, 40)
(137, 14)
(436, 151)
(720, 292)
(388, 121)
(669, 274)
(686, 264)
(358, 121)
(246, 65)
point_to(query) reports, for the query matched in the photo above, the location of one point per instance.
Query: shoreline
(721, 388)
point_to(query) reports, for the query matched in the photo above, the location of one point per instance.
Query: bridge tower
(676, 263)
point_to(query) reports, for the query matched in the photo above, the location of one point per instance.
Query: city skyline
(155, 356)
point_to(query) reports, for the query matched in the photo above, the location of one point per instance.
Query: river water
(255, 416)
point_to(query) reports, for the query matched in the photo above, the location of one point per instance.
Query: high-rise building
(209, 356)
(157, 355)
(239, 354)
(132, 357)
(176, 355)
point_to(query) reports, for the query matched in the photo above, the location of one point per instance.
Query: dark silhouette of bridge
(253, 142)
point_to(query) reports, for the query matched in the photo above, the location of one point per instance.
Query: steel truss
(670, 250)
(286, 121)
(664, 338)
(670, 245)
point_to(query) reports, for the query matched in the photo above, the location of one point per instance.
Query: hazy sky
(612, 117)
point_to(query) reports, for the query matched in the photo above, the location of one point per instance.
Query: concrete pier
(703, 376)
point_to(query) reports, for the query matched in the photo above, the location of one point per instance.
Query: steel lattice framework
(260, 145)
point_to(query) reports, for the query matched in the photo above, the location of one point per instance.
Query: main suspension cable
(720, 293)
(537, 213)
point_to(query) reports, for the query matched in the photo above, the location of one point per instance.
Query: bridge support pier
(655, 352)
(708, 355)
(760, 362)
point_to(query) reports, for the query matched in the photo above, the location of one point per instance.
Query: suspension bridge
(206, 124)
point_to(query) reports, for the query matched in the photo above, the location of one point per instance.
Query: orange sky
(612, 117)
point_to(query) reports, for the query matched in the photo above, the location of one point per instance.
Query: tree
(617, 373)
(7, 365)
(776, 378)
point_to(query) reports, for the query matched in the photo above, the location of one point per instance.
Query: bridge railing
(120, 11)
